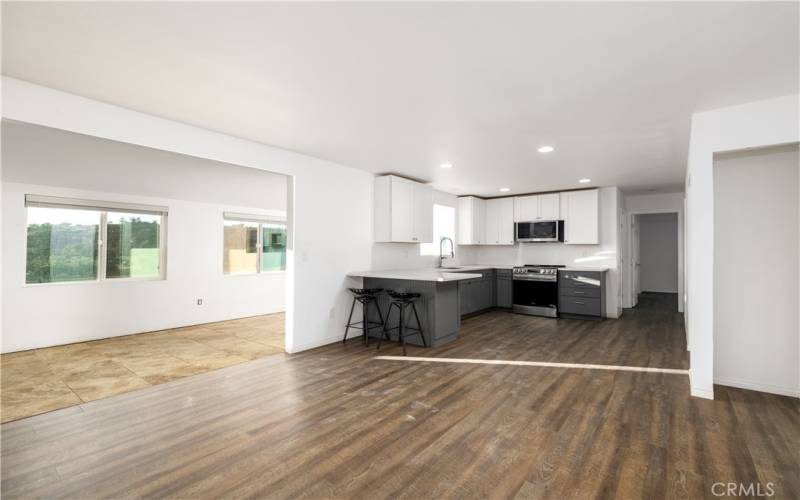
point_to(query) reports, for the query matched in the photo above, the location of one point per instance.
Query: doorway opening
(655, 259)
(152, 265)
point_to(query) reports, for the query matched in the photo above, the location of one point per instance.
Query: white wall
(654, 204)
(329, 206)
(93, 310)
(756, 247)
(46, 161)
(658, 252)
(756, 124)
(39, 155)
(605, 254)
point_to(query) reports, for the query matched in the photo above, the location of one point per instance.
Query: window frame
(260, 220)
(422, 246)
(103, 207)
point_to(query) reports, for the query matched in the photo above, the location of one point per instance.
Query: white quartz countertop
(429, 274)
(472, 267)
(475, 267)
(454, 273)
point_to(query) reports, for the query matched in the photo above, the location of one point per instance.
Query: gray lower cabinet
(581, 294)
(503, 288)
(438, 309)
(480, 294)
(487, 290)
(466, 294)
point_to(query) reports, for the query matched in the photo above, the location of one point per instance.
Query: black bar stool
(402, 300)
(365, 296)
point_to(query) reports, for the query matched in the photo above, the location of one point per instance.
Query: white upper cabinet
(526, 208)
(505, 217)
(500, 221)
(403, 210)
(537, 207)
(471, 218)
(492, 233)
(423, 213)
(580, 211)
(549, 206)
(491, 222)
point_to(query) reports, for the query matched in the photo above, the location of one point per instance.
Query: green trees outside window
(62, 245)
(65, 244)
(133, 245)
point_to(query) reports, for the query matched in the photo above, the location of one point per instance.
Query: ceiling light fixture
(446, 165)
(585, 180)
(505, 190)
(546, 149)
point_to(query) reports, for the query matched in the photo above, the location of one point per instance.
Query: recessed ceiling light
(505, 190)
(546, 149)
(446, 165)
(584, 180)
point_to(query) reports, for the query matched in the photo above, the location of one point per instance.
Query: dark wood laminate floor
(650, 335)
(336, 423)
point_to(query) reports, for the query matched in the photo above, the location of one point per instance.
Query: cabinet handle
(578, 291)
(579, 302)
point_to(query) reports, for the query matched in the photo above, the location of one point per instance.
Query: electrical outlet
(199, 302)
(332, 313)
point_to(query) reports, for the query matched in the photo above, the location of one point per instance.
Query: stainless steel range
(536, 290)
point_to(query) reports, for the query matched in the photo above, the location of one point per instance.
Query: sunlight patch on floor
(536, 363)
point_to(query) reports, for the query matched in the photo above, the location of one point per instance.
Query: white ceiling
(391, 87)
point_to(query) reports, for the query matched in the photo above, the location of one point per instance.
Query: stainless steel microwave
(540, 231)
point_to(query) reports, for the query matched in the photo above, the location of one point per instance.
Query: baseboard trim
(319, 343)
(702, 393)
(755, 386)
(127, 333)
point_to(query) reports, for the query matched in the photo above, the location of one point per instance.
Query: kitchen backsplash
(546, 253)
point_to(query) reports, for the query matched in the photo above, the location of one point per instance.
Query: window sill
(262, 273)
(94, 282)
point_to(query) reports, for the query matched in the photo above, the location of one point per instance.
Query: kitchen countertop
(430, 274)
(454, 273)
(473, 267)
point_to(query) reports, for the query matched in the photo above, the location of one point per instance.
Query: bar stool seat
(402, 301)
(364, 296)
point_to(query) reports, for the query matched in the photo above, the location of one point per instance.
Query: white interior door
(635, 261)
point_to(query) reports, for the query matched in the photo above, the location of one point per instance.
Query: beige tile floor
(43, 380)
